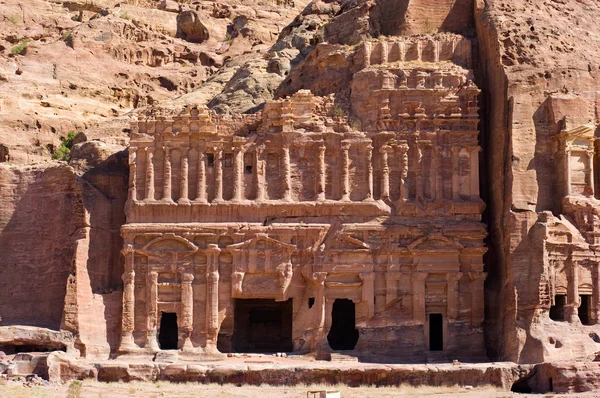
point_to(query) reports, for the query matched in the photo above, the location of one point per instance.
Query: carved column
(419, 177)
(452, 298)
(183, 181)
(418, 290)
(238, 172)
(567, 167)
(218, 175)
(167, 176)
(149, 174)
(287, 173)
(369, 172)
(455, 174)
(187, 309)
(475, 172)
(391, 286)
(385, 171)
(477, 305)
(368, 291)
(201, 188)
(404, 171)
(437, 175)
(128, 319)
(590, 174)
(261, 182)
(345, 171)
(132, 174)
(322, 177)
(319, 315)
(596, 292)
(152, 303)
(571, 310)
(212, 294)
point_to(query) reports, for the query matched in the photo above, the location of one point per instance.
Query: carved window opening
(10, 349)
(210, 160)
(343, 334)
(311, 302)
(584, 309)
(262, 326)
(228, 160)
(436, 332)
(557, 311)
(168, 334)
(248, 163)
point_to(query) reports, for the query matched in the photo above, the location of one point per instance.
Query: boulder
(191, 28)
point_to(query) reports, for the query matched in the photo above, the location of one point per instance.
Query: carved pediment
(348, 242)
(437, 243)
(262, 242)
(168, 244)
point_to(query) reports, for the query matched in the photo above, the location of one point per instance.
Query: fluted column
(152, 303)
(183, 181)
(475, 172)
(452, 292)
(218, 175)
(404, 171)
(322, 177)
(238, 173)
(477, 304)
(133, 174)
(345, 171)
(368, 291)
(187, 309)
(201, 186)
(128, 318)
(369, 172)
(455, 174)
(261, 182)
(385, 171)
(418, 285)
(167, 176)
(212, 294)
(149, 174)
(287, 173)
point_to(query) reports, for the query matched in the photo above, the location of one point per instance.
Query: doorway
(436, 332)
(262, 325)
(343, 334)
(168, 334)
(557, 311)
(584, 309)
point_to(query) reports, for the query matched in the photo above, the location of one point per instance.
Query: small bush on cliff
(20, 48)
(74, 390)
(63, 151)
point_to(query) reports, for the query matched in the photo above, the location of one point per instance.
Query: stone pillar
(128, 318)
(437, 189)
(345, 172)
(369, 172)
(571, 309)
(287, 173)
(419, 177)
(452, 292)
(418, 290)
(404, 171)
(183, 181)
(167, 176)
(385, 171)
(238, 174)
(368, 291)
(391, 286)
(218, 175)
(477, 304)
(475, 172)
(212, 295)
(322, 177)
(149, 174)
(187, 309)
(152, 303)
(596, 293)
(319, 314)
(567, 168)
(455, 174)
(201, 188)
(590, 174)
(261, 182)
(132, 174)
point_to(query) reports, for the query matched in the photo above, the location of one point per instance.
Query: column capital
(453, 277)
(213, 248)
(386, 149)
(319, 277)
(478, 275)
(149, 149)
(346, 145)
(420, 276)
(127, 250)
(187, 277)
(367, 276)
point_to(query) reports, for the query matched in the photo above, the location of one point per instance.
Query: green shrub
(66, 143)
(19, 48)
(74, 390)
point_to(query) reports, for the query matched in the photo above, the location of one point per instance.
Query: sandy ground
(166, 389)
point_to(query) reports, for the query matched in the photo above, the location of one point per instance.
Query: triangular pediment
(348, 242)
(435, 242)
(261, 242)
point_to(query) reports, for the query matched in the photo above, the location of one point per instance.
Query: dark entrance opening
(436, 332)
(168, 335)
(262, 326)
(584, 308)
(557, 311)
(343, 334)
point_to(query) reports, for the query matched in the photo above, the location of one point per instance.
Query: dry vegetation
(165, 389)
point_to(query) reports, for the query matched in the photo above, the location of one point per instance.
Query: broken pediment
(348, 242)
(436, 243)
(168, 243)
(261, 242)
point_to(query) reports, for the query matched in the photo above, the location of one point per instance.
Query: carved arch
(178, 245)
